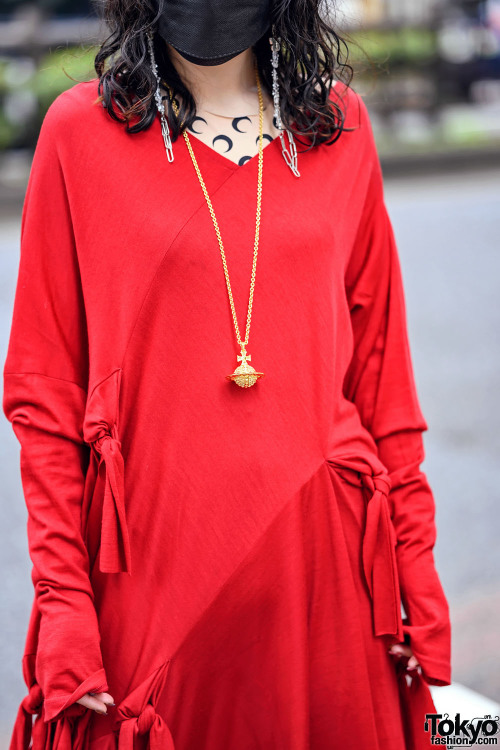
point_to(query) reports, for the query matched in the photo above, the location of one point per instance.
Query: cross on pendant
(244, 357)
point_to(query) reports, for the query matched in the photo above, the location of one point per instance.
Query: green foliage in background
(51, 79)
(395, 47)
(29, 87)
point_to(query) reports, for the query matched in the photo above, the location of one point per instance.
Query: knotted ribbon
(68, 732)
(136, 714)
(23, 729)
(378, 546)
(100, 431)
(379, 557)
(115, 553)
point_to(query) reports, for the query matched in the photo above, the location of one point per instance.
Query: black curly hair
(313, 55)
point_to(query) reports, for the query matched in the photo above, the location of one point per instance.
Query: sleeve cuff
(96, 683)
(436, 670)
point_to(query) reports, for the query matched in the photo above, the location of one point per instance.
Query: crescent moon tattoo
(198, 118)
(223, 138)
(264, 136)
(236, 121)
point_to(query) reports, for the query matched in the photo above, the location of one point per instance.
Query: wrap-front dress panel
(231, 564)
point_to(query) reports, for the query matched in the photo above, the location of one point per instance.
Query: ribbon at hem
(68, 732)
(137, 714)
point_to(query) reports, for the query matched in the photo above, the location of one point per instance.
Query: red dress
(229, 563)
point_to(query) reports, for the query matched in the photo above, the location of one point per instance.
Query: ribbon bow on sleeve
(379, 557)
(101, 432)
(379, 542)
(115, 544)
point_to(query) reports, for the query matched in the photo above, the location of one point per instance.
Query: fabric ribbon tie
(32, 703)
(379, 557)
(68, 732)
(23, 727)
(115, 556)
(150, 722)
(136, 714)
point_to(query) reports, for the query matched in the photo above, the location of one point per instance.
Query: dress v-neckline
(217, 156)
(224, 159)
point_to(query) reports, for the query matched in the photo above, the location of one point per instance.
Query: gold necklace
(244, 375)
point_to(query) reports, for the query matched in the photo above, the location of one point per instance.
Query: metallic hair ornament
(290, 156)
(159, 104)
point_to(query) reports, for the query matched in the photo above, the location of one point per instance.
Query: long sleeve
(380, 381)
(45, 390)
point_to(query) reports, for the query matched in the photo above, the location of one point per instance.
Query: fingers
(402, 650)
(97, 701)
(106, 698)
(412, 663)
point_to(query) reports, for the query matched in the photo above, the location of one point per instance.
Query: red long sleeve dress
(229, 563)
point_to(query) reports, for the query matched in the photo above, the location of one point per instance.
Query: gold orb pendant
(244, 375)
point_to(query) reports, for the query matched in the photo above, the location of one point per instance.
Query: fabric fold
(100, 430)
(416, 701)
(68, 731)
(62, 656)
(379, 542)
(64, 724)
(30, 706)
(427, 623)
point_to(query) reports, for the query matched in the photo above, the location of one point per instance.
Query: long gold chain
(244, 375)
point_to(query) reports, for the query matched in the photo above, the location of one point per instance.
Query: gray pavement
(447, 229)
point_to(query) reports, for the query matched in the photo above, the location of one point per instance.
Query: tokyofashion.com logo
(462, 732)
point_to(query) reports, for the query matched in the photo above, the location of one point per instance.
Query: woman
(222, 528)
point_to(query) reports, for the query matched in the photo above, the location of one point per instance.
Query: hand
(402, 650)
(97, 701)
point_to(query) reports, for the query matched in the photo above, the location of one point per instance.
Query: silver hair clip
(290, 156)
(159, 102)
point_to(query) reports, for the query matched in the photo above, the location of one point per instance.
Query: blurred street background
(430, 74)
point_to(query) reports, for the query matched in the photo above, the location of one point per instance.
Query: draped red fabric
(230, 564)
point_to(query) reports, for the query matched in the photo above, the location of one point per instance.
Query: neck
(224, 88)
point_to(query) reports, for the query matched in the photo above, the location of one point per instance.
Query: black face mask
(210, 32)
